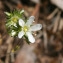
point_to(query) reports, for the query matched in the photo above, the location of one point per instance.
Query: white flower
(14, 20)
(27, 28)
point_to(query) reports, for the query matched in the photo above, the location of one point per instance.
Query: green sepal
(27, 39)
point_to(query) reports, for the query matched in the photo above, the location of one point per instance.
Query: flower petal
(21, 11)
(21, 22)
(20, 34)
(7, 13)
(30, 20)
(13, 33)
(36, 27)
(30, 37)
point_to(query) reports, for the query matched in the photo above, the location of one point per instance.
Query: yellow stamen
(25, 28)
(14, 19)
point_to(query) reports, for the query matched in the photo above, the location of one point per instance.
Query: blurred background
(48, 47)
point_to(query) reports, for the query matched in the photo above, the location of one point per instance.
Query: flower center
(25, 28)
(14, 19)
